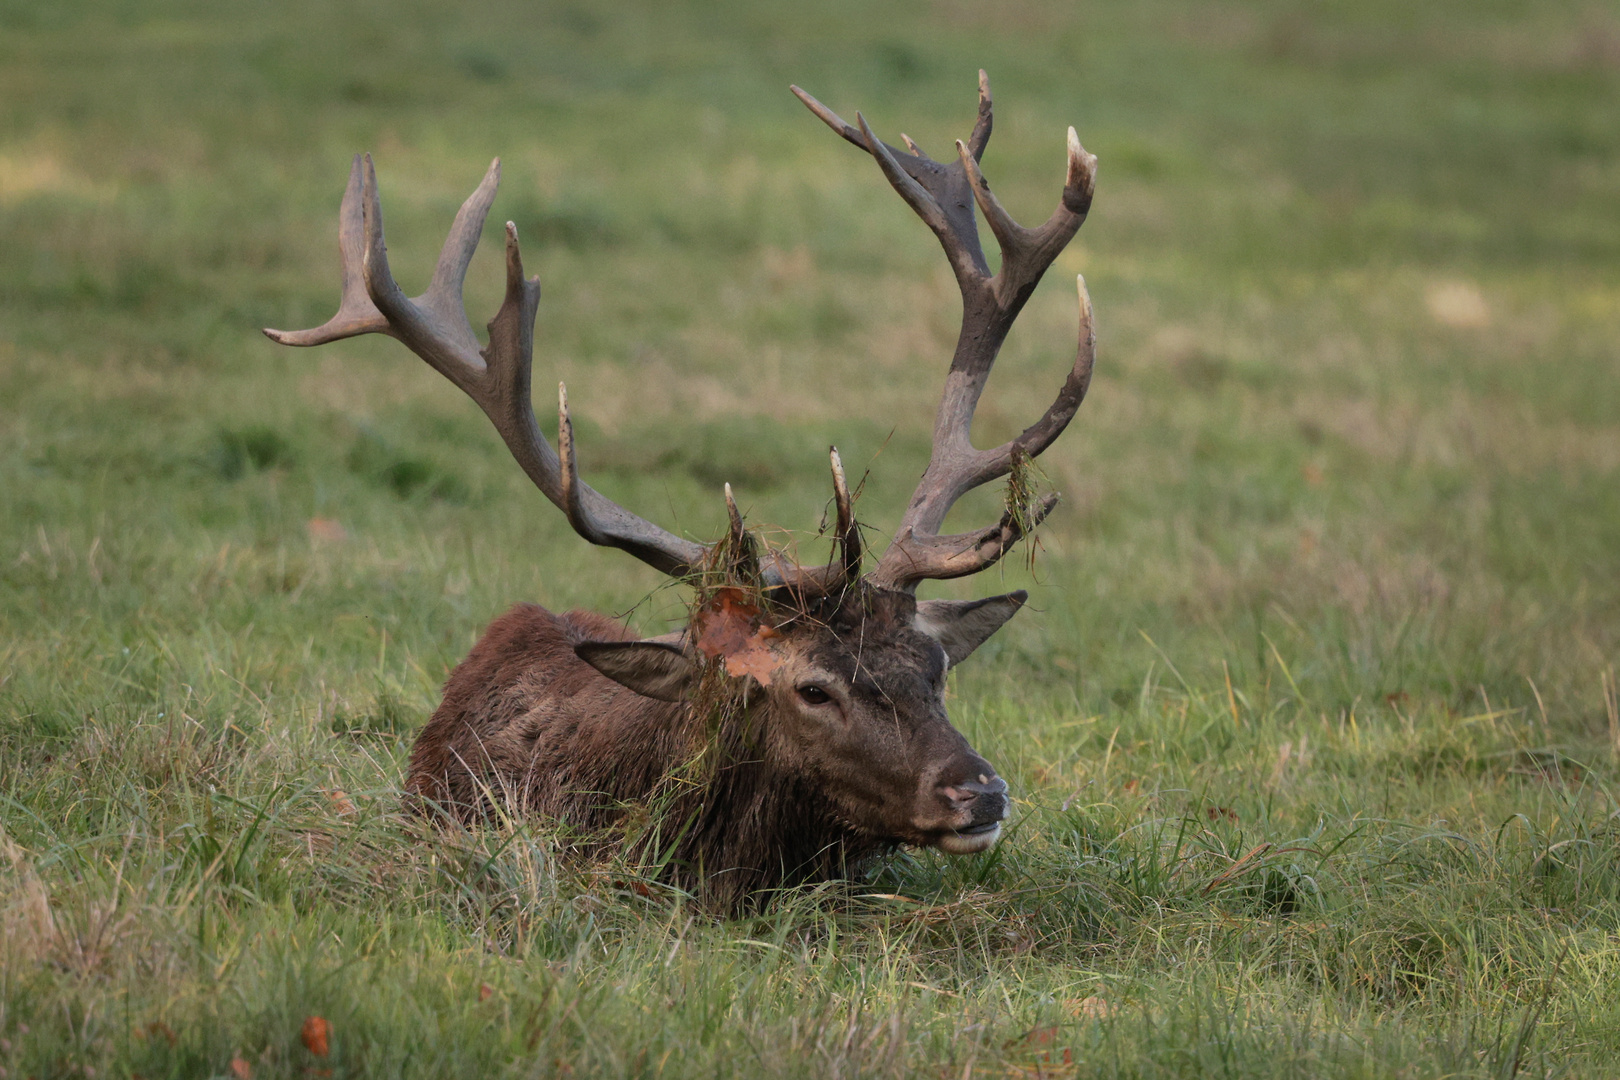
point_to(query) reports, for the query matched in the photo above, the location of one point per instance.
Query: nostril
(968, 792)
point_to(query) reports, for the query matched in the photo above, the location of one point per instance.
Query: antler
(943, 195)
(434, 326)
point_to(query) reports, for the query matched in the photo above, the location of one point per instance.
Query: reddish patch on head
(731, 628)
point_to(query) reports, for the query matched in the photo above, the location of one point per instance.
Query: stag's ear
(657, 669)
(963, 625)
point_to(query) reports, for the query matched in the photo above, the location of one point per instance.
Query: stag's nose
(982, 797)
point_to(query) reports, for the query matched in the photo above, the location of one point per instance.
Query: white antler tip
(1079, 158)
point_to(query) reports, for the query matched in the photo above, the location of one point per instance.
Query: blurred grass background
(1309, 728)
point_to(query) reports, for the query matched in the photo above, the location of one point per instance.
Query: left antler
(943, 195)
(434, 326)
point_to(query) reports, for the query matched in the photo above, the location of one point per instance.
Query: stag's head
(845, 691)
(841, 669)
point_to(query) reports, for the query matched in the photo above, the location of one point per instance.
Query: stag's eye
(814, 695)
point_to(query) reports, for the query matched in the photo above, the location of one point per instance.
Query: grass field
(1312, 729)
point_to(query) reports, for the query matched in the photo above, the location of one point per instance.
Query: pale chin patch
(953, 843)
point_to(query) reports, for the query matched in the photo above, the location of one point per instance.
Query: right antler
(944, 196)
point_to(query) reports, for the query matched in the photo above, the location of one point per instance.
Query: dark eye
(814, 695)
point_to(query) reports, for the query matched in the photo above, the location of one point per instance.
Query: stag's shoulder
(524, 653)
(529, 641)
(518, 674)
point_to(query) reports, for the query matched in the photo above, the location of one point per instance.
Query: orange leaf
(732, 629)
(326, 530)
(316, 1034)
(485, 991)
(241, 1069)
(1091, 1008)
(342, 806)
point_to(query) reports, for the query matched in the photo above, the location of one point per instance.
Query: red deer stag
(797, 723)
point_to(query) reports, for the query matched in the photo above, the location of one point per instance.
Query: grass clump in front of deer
(1313, 767)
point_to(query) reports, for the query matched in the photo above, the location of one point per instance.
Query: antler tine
(918, 553)
(938, 193)
(432, 326)
(966, 259)
(742, 563)
(848, 529)
(981, 126)
(734, 516)
(1044, 432)
(450, 273)
(1026, 253)
(944, 197)
(571, 503)
(356, 313)
(497, 377)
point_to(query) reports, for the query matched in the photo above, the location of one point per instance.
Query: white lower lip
(953, 843)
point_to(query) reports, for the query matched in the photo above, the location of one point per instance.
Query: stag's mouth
(971, 840)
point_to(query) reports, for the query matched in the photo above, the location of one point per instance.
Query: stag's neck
(745, 824)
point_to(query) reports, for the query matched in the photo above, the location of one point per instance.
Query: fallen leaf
(485, 991)
(1091, 1008)
(241, 1069)
(341, 804)
(732, 629)
(326, 530)
(1042, 1037)
(1457, 304)
(316, 1034)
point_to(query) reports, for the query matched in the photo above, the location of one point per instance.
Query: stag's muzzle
(978, 806)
